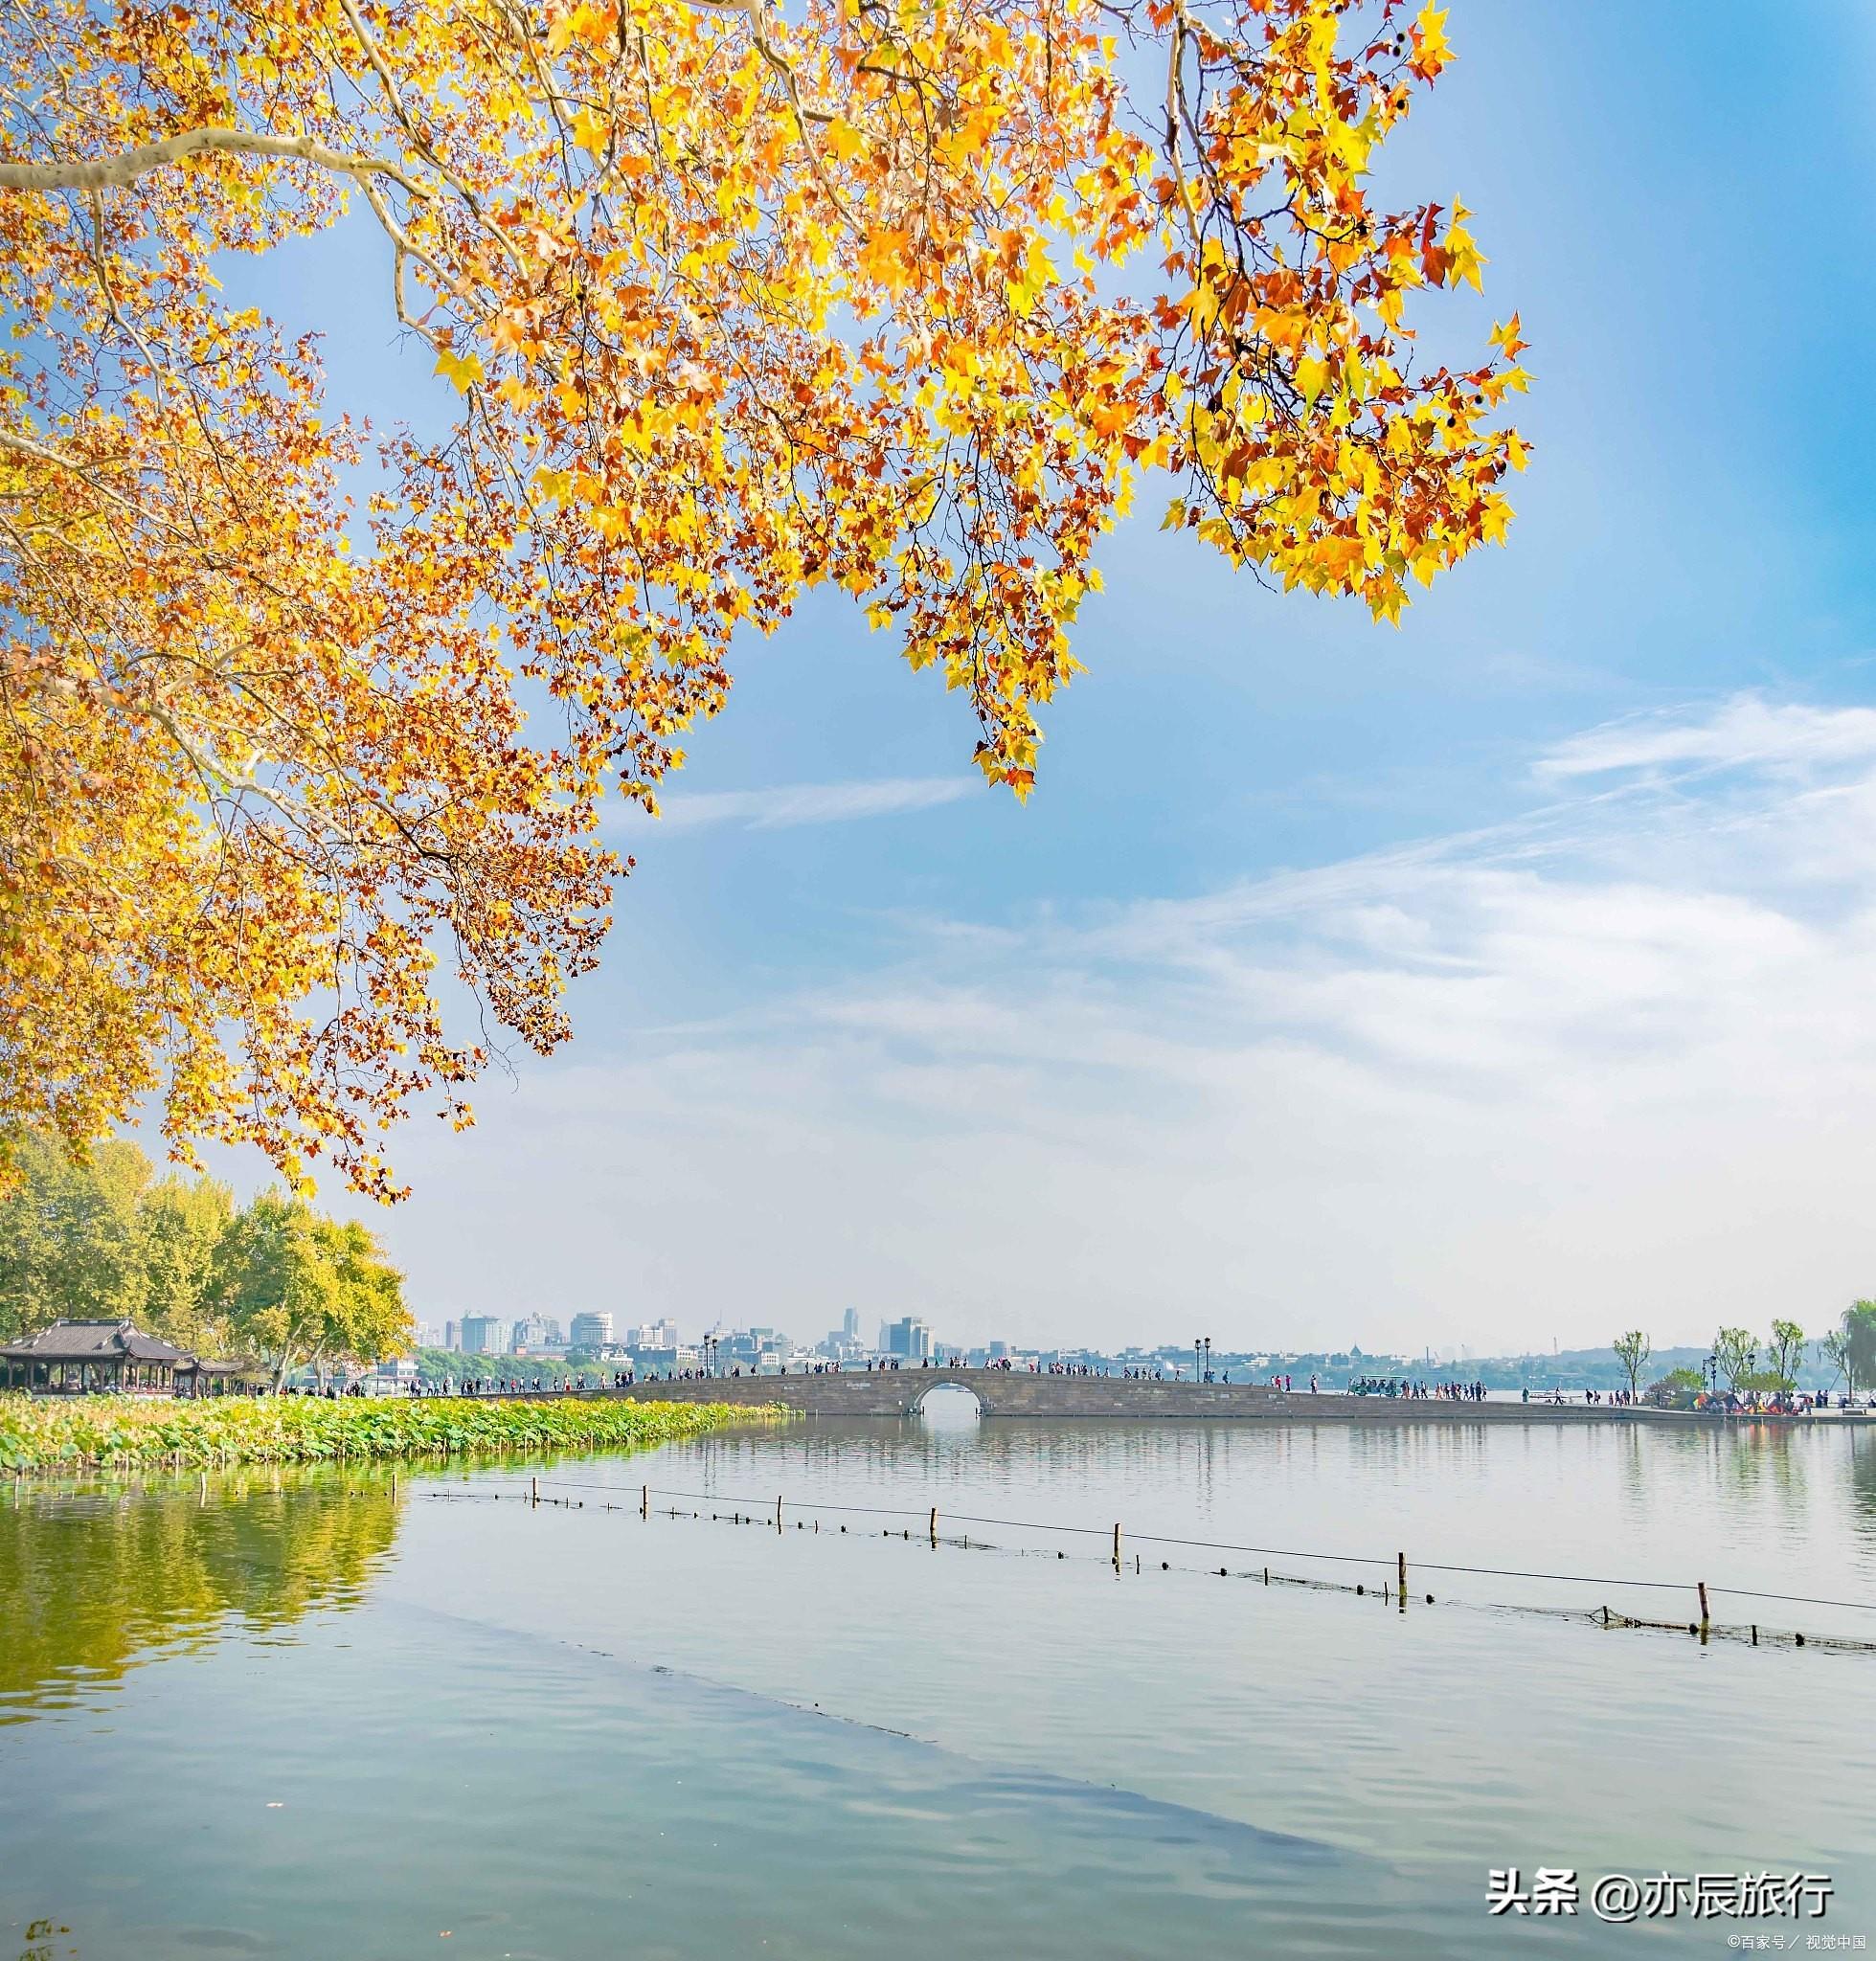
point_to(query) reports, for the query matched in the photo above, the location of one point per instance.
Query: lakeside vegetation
(1741, 1364)
(272, 1281)
(130, 1433)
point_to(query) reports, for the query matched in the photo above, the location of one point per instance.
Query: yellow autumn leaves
(731, 304)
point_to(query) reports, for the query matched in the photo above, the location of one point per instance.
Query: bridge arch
(947, 1401)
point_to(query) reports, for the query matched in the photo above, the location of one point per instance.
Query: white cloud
(789, 804)
(1614, 1066)
(1746, 730)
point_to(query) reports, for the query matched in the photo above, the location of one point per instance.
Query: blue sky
(1497, 979)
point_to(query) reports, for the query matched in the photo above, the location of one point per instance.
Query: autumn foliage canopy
(901, 296)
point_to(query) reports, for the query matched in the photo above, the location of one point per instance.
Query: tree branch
(100, 172)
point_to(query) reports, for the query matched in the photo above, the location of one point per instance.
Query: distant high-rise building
(453, 1335)
(483, 1334)
(910, 1338)
(844, 1343)
(752, 1350)
(533, 1331)
(590, 1331)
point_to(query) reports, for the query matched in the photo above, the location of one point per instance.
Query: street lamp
(1196, 1345)
(1207, 1358)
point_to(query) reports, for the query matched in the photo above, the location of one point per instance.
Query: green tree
(1784, 1353)
(1632, 1351)
(299, 1290)
(1852, 1349)
(1834, 1350)
(1766, 1381)
(99, 1239)
(68, 1235)
(368, 1320)
(1735, 1351)
(179, 1228)
(272, 1283)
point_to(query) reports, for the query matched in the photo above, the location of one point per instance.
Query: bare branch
(100, 172)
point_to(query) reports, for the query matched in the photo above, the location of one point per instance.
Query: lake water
(310, 1716)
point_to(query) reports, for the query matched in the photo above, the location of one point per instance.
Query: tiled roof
(116, 1340)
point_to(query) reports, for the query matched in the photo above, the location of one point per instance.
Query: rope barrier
(765, 1504)
(762, 1513)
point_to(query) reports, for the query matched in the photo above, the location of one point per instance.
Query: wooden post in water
(1401, 1557)
(778, 1511)
(1702, 1584)
(534, 1491)
(935, 1524)
(644, 1500)
(1117, 1548)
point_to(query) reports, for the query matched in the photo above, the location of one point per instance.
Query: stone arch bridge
(1016, 1392)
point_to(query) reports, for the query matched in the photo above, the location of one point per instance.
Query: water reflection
(1863, 1485)
(1740, 1505)
(1738, 1467)
(1179, 1460)
(94, 1582)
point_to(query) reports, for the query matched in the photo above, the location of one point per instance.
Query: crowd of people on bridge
(518, 1386)
(1614, 1399)
(1418, 1391)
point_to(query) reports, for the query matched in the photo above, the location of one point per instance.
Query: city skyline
(720, 1343)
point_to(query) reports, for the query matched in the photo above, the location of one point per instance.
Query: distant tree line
(272, 1280)
(456, 1365)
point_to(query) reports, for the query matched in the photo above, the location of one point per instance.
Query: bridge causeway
(1017, 1393)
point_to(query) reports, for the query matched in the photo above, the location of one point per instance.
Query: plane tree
(728, 301)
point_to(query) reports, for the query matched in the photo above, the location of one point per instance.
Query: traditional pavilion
(198, 1378)
(72, 1358)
